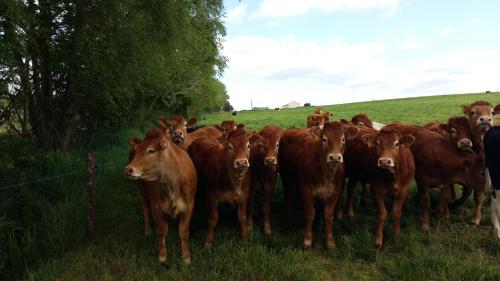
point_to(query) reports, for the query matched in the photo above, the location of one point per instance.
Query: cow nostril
(128, 170)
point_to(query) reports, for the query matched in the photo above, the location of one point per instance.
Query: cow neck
(170, 171)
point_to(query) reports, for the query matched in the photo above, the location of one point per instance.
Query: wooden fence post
(91, 193)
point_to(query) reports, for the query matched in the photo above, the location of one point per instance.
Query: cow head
(460, 132)
(228, 126)
(480, 114)
(388, 143)
(318, 119)
(333, 137)
(362, 120)
(237, 151)
(268, 149)
(147, 153)
(177, 128)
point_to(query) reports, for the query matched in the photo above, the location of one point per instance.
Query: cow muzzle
(464, 144)
(484, 123)
(270, 161)
(385, 163)
(241, 163)
(132, 173)
(178, 137)
(334, 158)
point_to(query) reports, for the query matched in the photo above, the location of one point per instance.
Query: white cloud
(288, 8)
(237, 14)
(413, 43)
(274, 71)
(447, 30)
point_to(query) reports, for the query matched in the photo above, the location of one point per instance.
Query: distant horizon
(495, 92)
(338, 51)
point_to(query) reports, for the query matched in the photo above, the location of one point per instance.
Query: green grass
(452, 250)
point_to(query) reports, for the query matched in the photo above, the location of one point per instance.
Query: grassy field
(452, 250)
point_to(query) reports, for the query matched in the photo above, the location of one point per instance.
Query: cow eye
(472, 112)
(453, 130)
(325, 140)
(248, 146)
(230, 147)
(377, 143)
(151, 151)
(396, 143)
(277, 145)
(343, 140)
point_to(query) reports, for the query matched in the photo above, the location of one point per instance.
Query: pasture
(452, 250)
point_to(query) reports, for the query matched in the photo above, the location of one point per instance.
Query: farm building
(292, 104)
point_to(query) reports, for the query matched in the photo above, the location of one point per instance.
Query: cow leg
(184, 223)
(397, 210)
(213, 218)
(365, 195)
(453, 196)
(289, 201)
(495, 213)
(161, 232)
(378, 197)
(242, 217)
(250, 210)
(425, 203)
(338, 208)
(442, 207)
(329, 210)
(350, 190)
(146, 208)
(266, 207)
(478, 200)
(309, 210)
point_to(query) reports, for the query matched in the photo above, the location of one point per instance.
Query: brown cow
(313, 167)
(318, 119)
(223, 175)
(226, 127)
(264, 169)
(170, 187)
(389, 168)
(480, 116)
(362, 120)
(457, 129)
(178, 129)
(440, 164)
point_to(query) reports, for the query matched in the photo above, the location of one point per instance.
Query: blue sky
(338, 51)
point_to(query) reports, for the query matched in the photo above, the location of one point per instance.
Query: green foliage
(76, 66)
(42, 228)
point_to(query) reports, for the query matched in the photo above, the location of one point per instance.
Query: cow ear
(466, 109)
(368, 139)
(344, 121)
(164, 123)
(255, 139)
(407, 140)
(192, 122)
(351, 132)
(240, 126)
(444, 127)
(134, 142)
(163, 142)
(218, 127)
(497, 109)
(315, 131)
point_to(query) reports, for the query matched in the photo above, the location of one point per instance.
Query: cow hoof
(330, 246)
(424, 228)
(267, 232)
(351, 214)
(163, 260)
(147, 232)
(208, 245)
(378, 246)
(307, 245)
(186, 260)
(474, 222)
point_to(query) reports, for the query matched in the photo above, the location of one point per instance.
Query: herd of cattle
(172, 169)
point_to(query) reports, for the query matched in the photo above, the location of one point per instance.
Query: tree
(73, 67)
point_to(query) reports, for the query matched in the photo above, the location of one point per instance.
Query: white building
(292, 104)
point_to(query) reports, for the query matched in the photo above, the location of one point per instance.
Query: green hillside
(55, 248)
